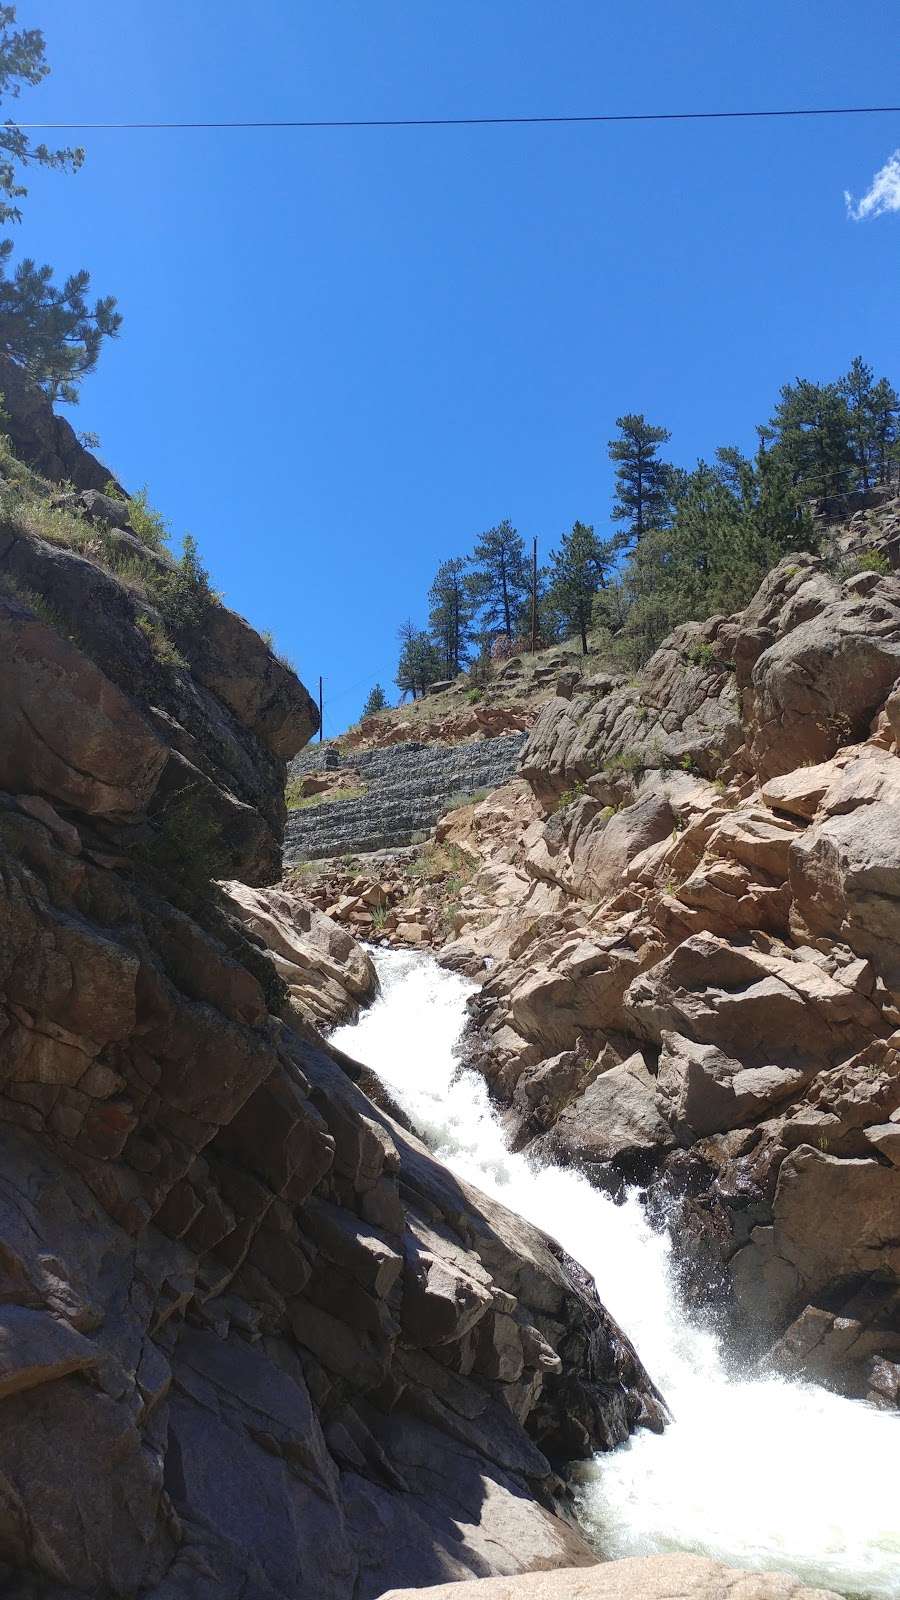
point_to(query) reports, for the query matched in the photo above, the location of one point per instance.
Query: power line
(455, 122)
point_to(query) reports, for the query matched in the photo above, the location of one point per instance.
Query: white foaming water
(758, 1472)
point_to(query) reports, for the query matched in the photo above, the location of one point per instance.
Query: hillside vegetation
(682, 545)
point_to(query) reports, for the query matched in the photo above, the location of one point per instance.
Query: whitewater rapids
(757, 1472)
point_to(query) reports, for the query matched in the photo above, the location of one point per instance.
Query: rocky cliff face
(698, 933)
(256, 1342)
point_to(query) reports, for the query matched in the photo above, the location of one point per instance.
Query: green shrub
(13, 590)
(295, 800)
(160, 643)
(459, 800)
(149, 525)
(702, 654)
(628, 761)
(569, 796)
(185, 593)
(873, 561)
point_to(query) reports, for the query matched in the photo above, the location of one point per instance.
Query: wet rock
(797, 1259)
(614, 1120)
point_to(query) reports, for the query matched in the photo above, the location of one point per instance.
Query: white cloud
(882, 195)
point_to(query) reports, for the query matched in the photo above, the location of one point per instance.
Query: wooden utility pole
(534, 615)
(320, 709)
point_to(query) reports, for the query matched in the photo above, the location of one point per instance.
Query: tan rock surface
(671, 1577)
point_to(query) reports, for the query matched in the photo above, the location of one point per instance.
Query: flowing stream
(758, 1472)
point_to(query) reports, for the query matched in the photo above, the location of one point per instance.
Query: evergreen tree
(500, 584)
(376, 701)
(51, 331)
(856, 389)
(812, 436)
(884, 410)
(643, 482)
(733, 523)
(579, 568)
(450, 616)
(419, 665)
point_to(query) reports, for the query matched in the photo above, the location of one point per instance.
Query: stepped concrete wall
(408, 787)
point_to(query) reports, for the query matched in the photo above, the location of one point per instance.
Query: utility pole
(320, 708)
(534, 616)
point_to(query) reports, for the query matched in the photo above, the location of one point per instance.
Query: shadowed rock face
(254, 1340)
(47, 442)
(220, 721)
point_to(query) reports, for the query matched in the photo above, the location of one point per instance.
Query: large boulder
(47, 442)
(221, 707)
(614, 1122)
(790, 1263)
(830, 667)
(757, 1006)
(845, 881)
(703, 1091)
(327, 972)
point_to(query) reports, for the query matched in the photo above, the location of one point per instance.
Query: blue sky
(346, 353)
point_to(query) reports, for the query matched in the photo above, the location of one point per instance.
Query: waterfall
(759, 1472)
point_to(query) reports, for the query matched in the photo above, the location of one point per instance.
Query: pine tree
(419, 665)
(376, 701)
(733, 522)
(812, 435)
(856, 389)
(500, 584)
(643, 482)
(885, 430)
(450, 615)
(51, 331)
(579, 568)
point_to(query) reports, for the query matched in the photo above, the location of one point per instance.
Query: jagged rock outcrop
(48, 442)
(405, 789)
(696, 980)
(328, 975)
(203, 761)
(673, 1577)
(256, 1341)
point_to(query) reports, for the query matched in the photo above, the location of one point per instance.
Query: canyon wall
(695, 935)
(256, 1341)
